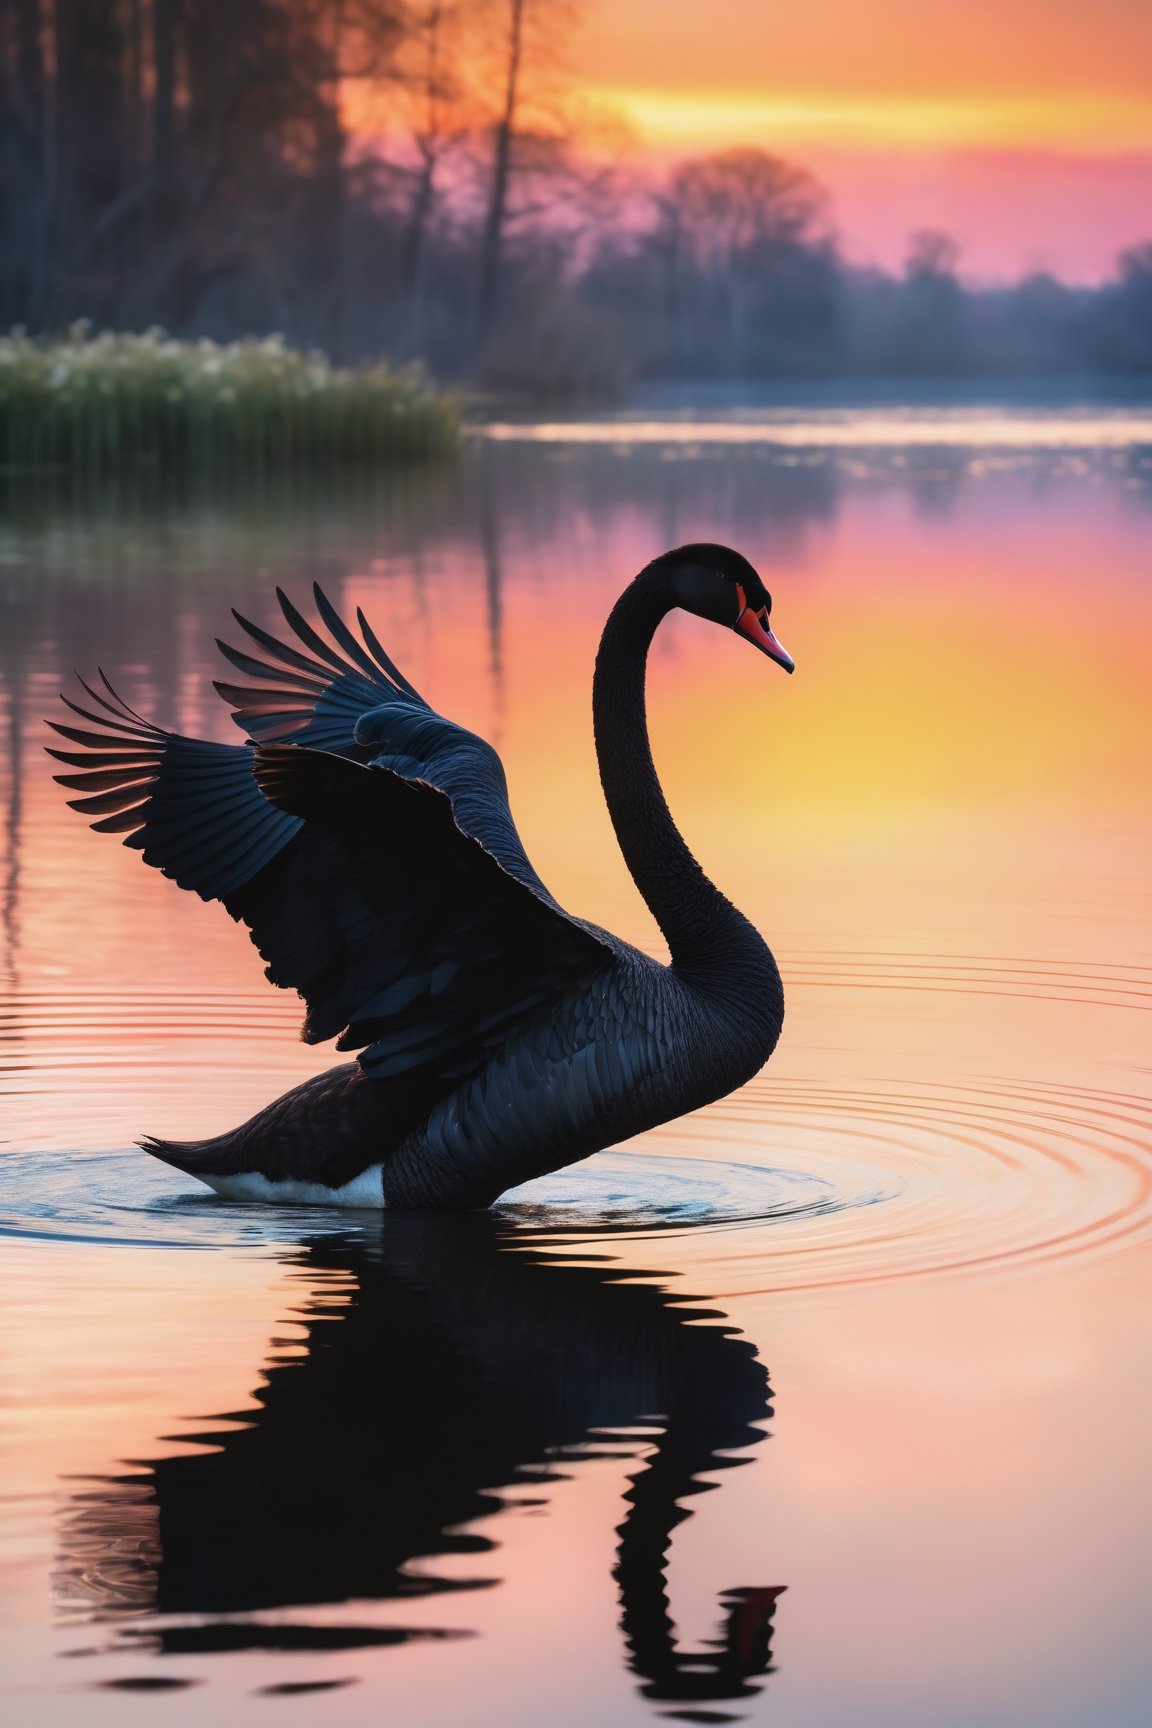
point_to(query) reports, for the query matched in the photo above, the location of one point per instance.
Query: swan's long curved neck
(710, 941)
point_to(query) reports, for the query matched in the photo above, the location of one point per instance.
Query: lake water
(828, 1405)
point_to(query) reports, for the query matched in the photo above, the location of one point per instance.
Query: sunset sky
(1023, 126)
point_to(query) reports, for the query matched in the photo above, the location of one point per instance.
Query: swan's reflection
(441, 1361)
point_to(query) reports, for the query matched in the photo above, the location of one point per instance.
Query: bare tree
(492, 243)
(729, 225)
(931, 253)
(736, 204)
(441, 119)
(933, 333)
(26, 158)
(532, 168)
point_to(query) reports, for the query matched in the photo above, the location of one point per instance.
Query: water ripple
(844, 1184)
(126, 1197)
(988, 1172)
(1086, 984)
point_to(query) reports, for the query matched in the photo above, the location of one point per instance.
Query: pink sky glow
(1023, 127)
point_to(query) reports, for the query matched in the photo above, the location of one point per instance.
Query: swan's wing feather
(444, 949)
(349, 698)
(313, 691)
(191, 807)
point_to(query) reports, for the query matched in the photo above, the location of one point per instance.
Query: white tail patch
(367, 1189)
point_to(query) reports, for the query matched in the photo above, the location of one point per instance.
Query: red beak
(757, 630)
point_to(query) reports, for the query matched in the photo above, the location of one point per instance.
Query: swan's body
(375, 861)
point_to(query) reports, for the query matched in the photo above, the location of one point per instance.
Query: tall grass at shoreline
(97, 403)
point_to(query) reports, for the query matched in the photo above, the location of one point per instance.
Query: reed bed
(99, 402)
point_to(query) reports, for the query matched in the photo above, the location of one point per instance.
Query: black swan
(376, 864)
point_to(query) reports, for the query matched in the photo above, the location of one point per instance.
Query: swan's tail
(223, 1155)
(323, 1133)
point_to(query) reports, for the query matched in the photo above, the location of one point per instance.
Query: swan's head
(718, 584)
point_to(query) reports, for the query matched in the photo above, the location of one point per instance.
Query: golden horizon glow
(693, 119)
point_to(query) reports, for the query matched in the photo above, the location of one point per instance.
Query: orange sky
(1023, 125)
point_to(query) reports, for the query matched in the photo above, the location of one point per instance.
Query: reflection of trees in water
(12, 783)
(137, 542)
(440, 1363)
(562, 500)
(493, 593)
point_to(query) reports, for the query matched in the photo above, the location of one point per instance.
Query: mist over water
(888, 1302)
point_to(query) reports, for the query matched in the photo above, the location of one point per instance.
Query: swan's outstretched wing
(191, 807)
(395, 898)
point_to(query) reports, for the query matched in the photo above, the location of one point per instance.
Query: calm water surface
(829, 1405)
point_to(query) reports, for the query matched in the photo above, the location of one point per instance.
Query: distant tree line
(414, 177)
(735, 275)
